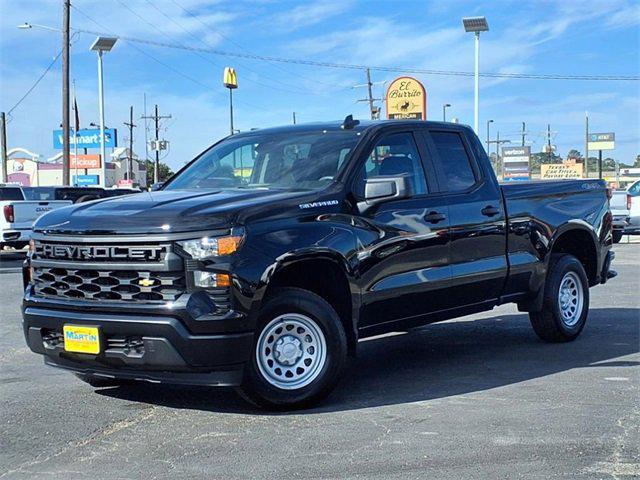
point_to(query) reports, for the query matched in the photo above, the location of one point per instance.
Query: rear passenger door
(476, 216)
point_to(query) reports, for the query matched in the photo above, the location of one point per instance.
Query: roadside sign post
(516, 163)
(406, 98)
(230, 80)
(600, 142)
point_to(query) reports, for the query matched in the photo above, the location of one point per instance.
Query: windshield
(288, 160)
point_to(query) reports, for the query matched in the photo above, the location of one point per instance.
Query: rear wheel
(299, 352)
(566, 301)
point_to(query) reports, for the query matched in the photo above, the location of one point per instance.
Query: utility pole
(294, 118)
(498, 142)
(586, 144)
(3, 139)
(370, 91)
(549, 142)
(65, 91)
(524, 133)
(156, 166)
(131, 126)
(374, 111)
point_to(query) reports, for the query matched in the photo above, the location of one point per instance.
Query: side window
(394, 154)
(454, 160)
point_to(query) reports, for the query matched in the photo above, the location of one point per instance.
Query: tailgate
(27, 212)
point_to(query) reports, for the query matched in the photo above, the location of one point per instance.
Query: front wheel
(299, 352)
(566, 301)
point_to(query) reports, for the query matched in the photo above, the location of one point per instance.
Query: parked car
(332, 232)
(75, 194)
(633, 205)
(19, 213)
(619, 205)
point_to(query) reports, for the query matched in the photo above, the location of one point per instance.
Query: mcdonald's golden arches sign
(230, 80)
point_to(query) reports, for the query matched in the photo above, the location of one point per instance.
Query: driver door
(405, 252)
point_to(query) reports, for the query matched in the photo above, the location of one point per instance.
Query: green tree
(164, 172)
(573, 153)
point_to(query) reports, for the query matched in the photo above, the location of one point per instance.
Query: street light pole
(103, 156)
(102, 44)
(444, 111)
(476, 84)
(489, 122)
(476, 25)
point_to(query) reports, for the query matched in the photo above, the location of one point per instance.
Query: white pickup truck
(18, 213)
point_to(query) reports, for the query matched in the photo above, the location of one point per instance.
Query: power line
(351, 66)
(289, 89)
(207, 26)
(175, 70)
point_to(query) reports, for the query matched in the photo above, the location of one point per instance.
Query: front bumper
(155, 348)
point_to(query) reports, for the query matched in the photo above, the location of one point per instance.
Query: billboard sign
(85, 161)
(602, 141)
(87, 138)
(85, 180)
(406, 98)
(516, 163)
(559, 171)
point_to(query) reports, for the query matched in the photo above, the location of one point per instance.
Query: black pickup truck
(263, 261)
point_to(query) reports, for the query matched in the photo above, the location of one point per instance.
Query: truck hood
(170, 211)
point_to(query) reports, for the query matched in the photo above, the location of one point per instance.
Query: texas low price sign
(87, 138)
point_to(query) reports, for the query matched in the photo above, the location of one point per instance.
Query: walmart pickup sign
(87, 138)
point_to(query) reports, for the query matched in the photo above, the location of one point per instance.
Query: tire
(86, 198)
(299, 352)
(617, 236)
(101, 382)
(566, 301)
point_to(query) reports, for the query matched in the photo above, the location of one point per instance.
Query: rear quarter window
(10, 193)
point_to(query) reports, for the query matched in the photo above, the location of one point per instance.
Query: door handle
(434, 217)
(490, 211)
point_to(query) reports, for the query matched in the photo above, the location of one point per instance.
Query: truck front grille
(115, 285)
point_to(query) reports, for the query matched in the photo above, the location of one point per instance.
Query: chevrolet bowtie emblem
(146, 282)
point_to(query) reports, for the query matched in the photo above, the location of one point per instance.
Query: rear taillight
(628, 202)
(8, 213)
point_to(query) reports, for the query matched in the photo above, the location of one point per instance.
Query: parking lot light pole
(444, 111)
(102, 44)
(489, 122)
(476, 25)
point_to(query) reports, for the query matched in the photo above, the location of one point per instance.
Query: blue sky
(548, 37)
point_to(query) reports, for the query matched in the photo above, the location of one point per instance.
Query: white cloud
(308, 14)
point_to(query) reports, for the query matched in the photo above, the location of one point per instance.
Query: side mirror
(380, 189)
(156, 186)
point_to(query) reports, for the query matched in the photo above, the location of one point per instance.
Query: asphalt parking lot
(479, 397)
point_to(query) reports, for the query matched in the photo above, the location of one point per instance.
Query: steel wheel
(570, 299)
(291, 351)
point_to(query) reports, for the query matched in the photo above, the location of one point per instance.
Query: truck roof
(337, 125)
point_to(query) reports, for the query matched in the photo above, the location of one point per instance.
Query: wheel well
(579, 244)
(326, 279)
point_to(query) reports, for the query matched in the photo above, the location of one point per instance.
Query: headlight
(206, 247)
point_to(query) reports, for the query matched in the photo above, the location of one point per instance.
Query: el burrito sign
(406, 98)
